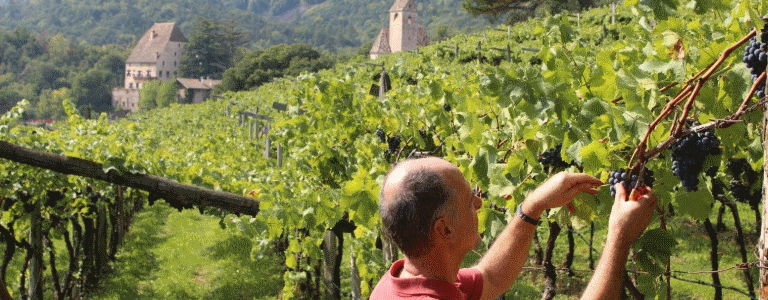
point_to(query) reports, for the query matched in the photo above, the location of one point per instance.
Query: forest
(329, 25)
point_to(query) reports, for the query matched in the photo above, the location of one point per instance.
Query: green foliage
(512, 11)
(333, 26)
(594, 86)
(259, 67)
(94, 89)
(210, 49)
(33, 66)
(158, 94)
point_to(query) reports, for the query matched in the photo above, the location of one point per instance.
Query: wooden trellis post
(763, 242)
(36, 265)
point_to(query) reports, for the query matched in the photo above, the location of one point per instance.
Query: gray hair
(409, 213)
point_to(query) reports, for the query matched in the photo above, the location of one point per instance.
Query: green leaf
(654, 249)
(696, 204)
(480, 167)
(594, 156)
(114, 164)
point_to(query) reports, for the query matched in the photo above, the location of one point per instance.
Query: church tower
(403, 26)
(404, 32)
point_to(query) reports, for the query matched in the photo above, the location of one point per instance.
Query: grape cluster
(498, 208)
(551, 158)
(393, 144)
(447, 107)
(740, 188)
(629, 182)
(382, 135)
(688, 155)
(755, 58)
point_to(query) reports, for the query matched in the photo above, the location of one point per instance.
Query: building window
(160, 74)
(174, 63)
(149, 73)
(168, 74)
(139, 75)
(128, 73)
(163, 63)
(130, 85)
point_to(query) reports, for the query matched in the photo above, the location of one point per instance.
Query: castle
(404, 32)
(157, 56)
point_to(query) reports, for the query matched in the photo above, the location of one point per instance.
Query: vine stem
(689, 91)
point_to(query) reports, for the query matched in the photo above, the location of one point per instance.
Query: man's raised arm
(502, 263)
(628, 220)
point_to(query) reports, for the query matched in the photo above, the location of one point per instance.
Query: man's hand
(630, 217)
(558, 191)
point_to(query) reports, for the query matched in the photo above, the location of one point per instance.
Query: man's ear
(443, 229)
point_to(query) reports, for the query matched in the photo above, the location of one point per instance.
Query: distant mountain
(331, 25)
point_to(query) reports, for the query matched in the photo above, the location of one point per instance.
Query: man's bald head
(414, 194)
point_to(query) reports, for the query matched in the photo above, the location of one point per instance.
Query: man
(430, 212)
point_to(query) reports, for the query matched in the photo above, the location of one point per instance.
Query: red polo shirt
(468, 286)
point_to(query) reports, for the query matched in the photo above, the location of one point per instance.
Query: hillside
(330, 25)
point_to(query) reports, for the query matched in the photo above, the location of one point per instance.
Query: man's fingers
(621, 192)
(582, 178)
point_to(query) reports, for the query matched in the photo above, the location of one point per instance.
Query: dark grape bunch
(623, 177)
(382, 135)
(740, 185)
(755, 58)
(551, 158)
(498, 208)
(393, 144)
(688, 155)
(447, 107)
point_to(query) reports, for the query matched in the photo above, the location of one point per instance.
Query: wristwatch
(526, 218)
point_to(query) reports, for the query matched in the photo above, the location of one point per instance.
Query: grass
(171, 255)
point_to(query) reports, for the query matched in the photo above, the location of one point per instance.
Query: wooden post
(509, 53)
(279, 155)
(457, 51)
(763, 242)
(613, 12)
(101, 237)
(267, 147)
(36, 265)
(578, 20)
(355, 276)
(332, 245)
(384, 84)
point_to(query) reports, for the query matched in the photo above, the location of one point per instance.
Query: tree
(148, 95)
(261, 66)
(158, 94)
(93, 89)
(8, 99)
(210, 49)
(49, 105)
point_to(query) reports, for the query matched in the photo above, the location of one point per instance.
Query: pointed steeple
(403, 5)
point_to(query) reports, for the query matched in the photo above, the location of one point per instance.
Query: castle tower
(403, 26)
(404, 32)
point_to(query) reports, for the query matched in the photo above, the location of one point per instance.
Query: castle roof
(198, 84)
(403, 5)
(381, 45)
(154, 41)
